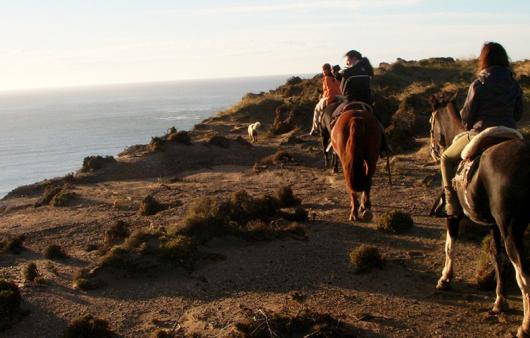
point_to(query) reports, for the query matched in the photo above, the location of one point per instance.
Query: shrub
(156, 144)
(13, 245)
(299, 215)
(10, 300)
(94, 163)
(395, 222)
(63, 198)
(88, 327)
(86, 281)
(286, 198)
(182, 137)
(162, 334)
(294, 80)
(304, 324)
(220, 141)
(55, 251)
(177, 249)
(30, 272)
(150, 206)
(281, 156)
(116, 233)
(47, 196)
(364, 258)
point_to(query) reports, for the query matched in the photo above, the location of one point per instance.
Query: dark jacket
(355, 84)
(494, 99)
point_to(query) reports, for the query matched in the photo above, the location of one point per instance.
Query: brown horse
(498, 195)
(356, 139)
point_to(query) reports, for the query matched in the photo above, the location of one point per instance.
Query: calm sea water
(45, 134)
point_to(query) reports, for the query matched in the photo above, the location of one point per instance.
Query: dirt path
(289, 274)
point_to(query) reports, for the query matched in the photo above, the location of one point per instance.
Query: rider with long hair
(493, 99)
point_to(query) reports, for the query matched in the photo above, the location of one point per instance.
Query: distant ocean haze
(47, 133)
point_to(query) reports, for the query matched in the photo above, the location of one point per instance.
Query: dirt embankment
(203, 234)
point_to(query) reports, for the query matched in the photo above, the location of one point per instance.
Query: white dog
(253, 132)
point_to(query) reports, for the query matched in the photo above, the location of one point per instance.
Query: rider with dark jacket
(494, 99)
(356, 78)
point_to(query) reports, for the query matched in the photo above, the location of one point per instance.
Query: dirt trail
(288, 274)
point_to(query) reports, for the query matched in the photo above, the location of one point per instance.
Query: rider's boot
(452, 205)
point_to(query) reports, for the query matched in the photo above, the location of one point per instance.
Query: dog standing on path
(253, 132)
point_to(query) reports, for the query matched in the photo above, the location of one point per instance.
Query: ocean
(47, 133)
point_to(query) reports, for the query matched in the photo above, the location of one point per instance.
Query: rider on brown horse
(494, 99)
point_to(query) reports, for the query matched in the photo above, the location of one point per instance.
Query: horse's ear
(434, 102)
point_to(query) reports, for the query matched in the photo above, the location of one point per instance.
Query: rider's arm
(470, 109)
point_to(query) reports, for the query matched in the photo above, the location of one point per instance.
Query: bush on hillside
(396, 222)
(95, 163)
(365, 258)
(88, 326)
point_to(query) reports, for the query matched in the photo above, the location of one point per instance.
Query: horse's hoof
(443, 285)
(499, 308)
(367, 216)
(521, 333)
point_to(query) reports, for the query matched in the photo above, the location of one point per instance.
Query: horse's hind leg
(497, 253)
(450, 240)
(366, 205)
(514, 248)
(334, 163)
(325, 143)
(354, 214)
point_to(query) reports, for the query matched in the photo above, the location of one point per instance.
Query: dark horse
(499, 192)
(356, 139)
(325, 133)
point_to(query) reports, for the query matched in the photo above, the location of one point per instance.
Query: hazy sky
(47, 43)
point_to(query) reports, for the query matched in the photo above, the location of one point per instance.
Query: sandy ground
(399, 300)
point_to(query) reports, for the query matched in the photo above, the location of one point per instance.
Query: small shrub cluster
(116, 233)
(364, 258)
(63, 198)
(303, 324)
(181, 137)
(219, 141)
(162, 334)
(156, 144)
(85, 280)
(55, 251)
(285, 197)
(208, 217)
(48, 194)
(95, 163)
(396, 222)
(281, 156)
(10, 300)
(88, 327)
(14, 245)
(145, 250)
(150, 206)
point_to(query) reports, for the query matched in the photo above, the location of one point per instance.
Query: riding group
(485, 163)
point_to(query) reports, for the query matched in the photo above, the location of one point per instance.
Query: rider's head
(326, 69)
(335, 69)
(493, 54)
(352, 58)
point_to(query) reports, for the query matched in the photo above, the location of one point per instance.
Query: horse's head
(445, 124)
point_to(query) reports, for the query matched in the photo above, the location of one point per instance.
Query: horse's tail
(357, 170)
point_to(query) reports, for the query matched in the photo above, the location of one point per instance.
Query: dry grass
(304, 324)
(365, 258)
(396, 222)
(88, 327)
(64, 198)
(95, 163)
(55, 252)
(116, 233)
(14, 245)
(86, 281)
(48, 194)
(150, 206)
(281, 156)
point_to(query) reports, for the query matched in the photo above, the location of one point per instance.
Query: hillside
(202, 234)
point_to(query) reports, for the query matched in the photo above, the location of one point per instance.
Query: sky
(62, 43)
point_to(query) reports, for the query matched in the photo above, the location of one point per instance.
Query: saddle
(471, 159)
(354, 105)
